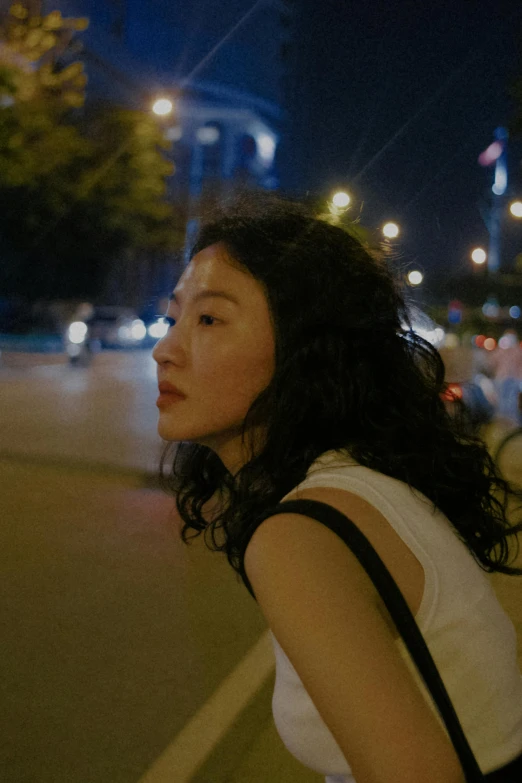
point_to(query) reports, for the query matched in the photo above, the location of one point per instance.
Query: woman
(289, 371)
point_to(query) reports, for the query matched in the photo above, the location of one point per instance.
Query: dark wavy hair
(351, 374)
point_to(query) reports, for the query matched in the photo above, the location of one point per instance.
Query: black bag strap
(398, 609)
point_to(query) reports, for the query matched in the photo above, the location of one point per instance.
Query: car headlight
(77, 332)
(138, 329)
(159, 328)
(132, 332)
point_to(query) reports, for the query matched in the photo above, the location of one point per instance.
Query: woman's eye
(172, 321)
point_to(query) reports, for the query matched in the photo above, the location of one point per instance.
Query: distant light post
(516, 209)
(338, 204)
(415, 277)
(341, 199)
(162, 107)
(478, 256)
(390, 230)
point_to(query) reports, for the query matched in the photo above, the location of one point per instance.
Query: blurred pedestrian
(290, 370)
(506, 362)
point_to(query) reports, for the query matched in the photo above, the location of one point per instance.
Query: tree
(78, 189)
(31, 51)
(127, 175)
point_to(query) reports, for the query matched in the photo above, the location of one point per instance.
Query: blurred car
(103, 327)
(157, 328)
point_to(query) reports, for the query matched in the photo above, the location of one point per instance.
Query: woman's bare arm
(323, 609)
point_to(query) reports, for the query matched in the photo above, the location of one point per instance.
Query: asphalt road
(102, 415)
(121, 647)
(127, 657)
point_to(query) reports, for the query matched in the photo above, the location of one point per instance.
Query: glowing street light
(162, 107)
(341, 199)
(478, 255)
(390, 230)
(415, 277)
(516, 209)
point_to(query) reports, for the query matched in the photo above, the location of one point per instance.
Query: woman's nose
(160, 352)
(157, 351)
(169, 349)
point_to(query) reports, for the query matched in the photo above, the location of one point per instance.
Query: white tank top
(470, 637)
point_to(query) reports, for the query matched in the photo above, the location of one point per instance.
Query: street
(127, 657)
(115, 634)
(104, 415)
(157, 155)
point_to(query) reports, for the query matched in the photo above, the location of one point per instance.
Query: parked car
(103, 327)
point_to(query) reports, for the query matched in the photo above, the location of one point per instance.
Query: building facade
(224, 67)
(222, 63)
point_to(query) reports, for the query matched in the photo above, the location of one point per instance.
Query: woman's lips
(168, 398)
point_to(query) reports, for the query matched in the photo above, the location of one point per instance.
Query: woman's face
(219, 352)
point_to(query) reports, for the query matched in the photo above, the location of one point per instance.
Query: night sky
(395, 101)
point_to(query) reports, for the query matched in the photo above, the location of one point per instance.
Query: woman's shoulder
(337, 468)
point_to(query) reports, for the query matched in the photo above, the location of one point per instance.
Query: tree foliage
(78, 188)
(30, 50)
(127, 174)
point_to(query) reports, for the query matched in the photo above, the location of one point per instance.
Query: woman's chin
(169, 431)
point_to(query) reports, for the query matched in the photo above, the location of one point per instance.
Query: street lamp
(162, 107)
(341, 199)
(478, 255)
(390, 230)
(415, 277)
(516, 209)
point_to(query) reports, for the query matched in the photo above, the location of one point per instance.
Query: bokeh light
(341, 199)
(208, 134)
(491, 308)
(138, 329)
(507, 341)
(266, 146)
(162, 107)
(478, 255)
(159, 328)
(415, 277)
(77, 332)
(390, 230)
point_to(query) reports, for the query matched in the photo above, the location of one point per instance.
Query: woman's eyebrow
(206, 295)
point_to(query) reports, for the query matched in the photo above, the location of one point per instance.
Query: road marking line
(191, 747)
